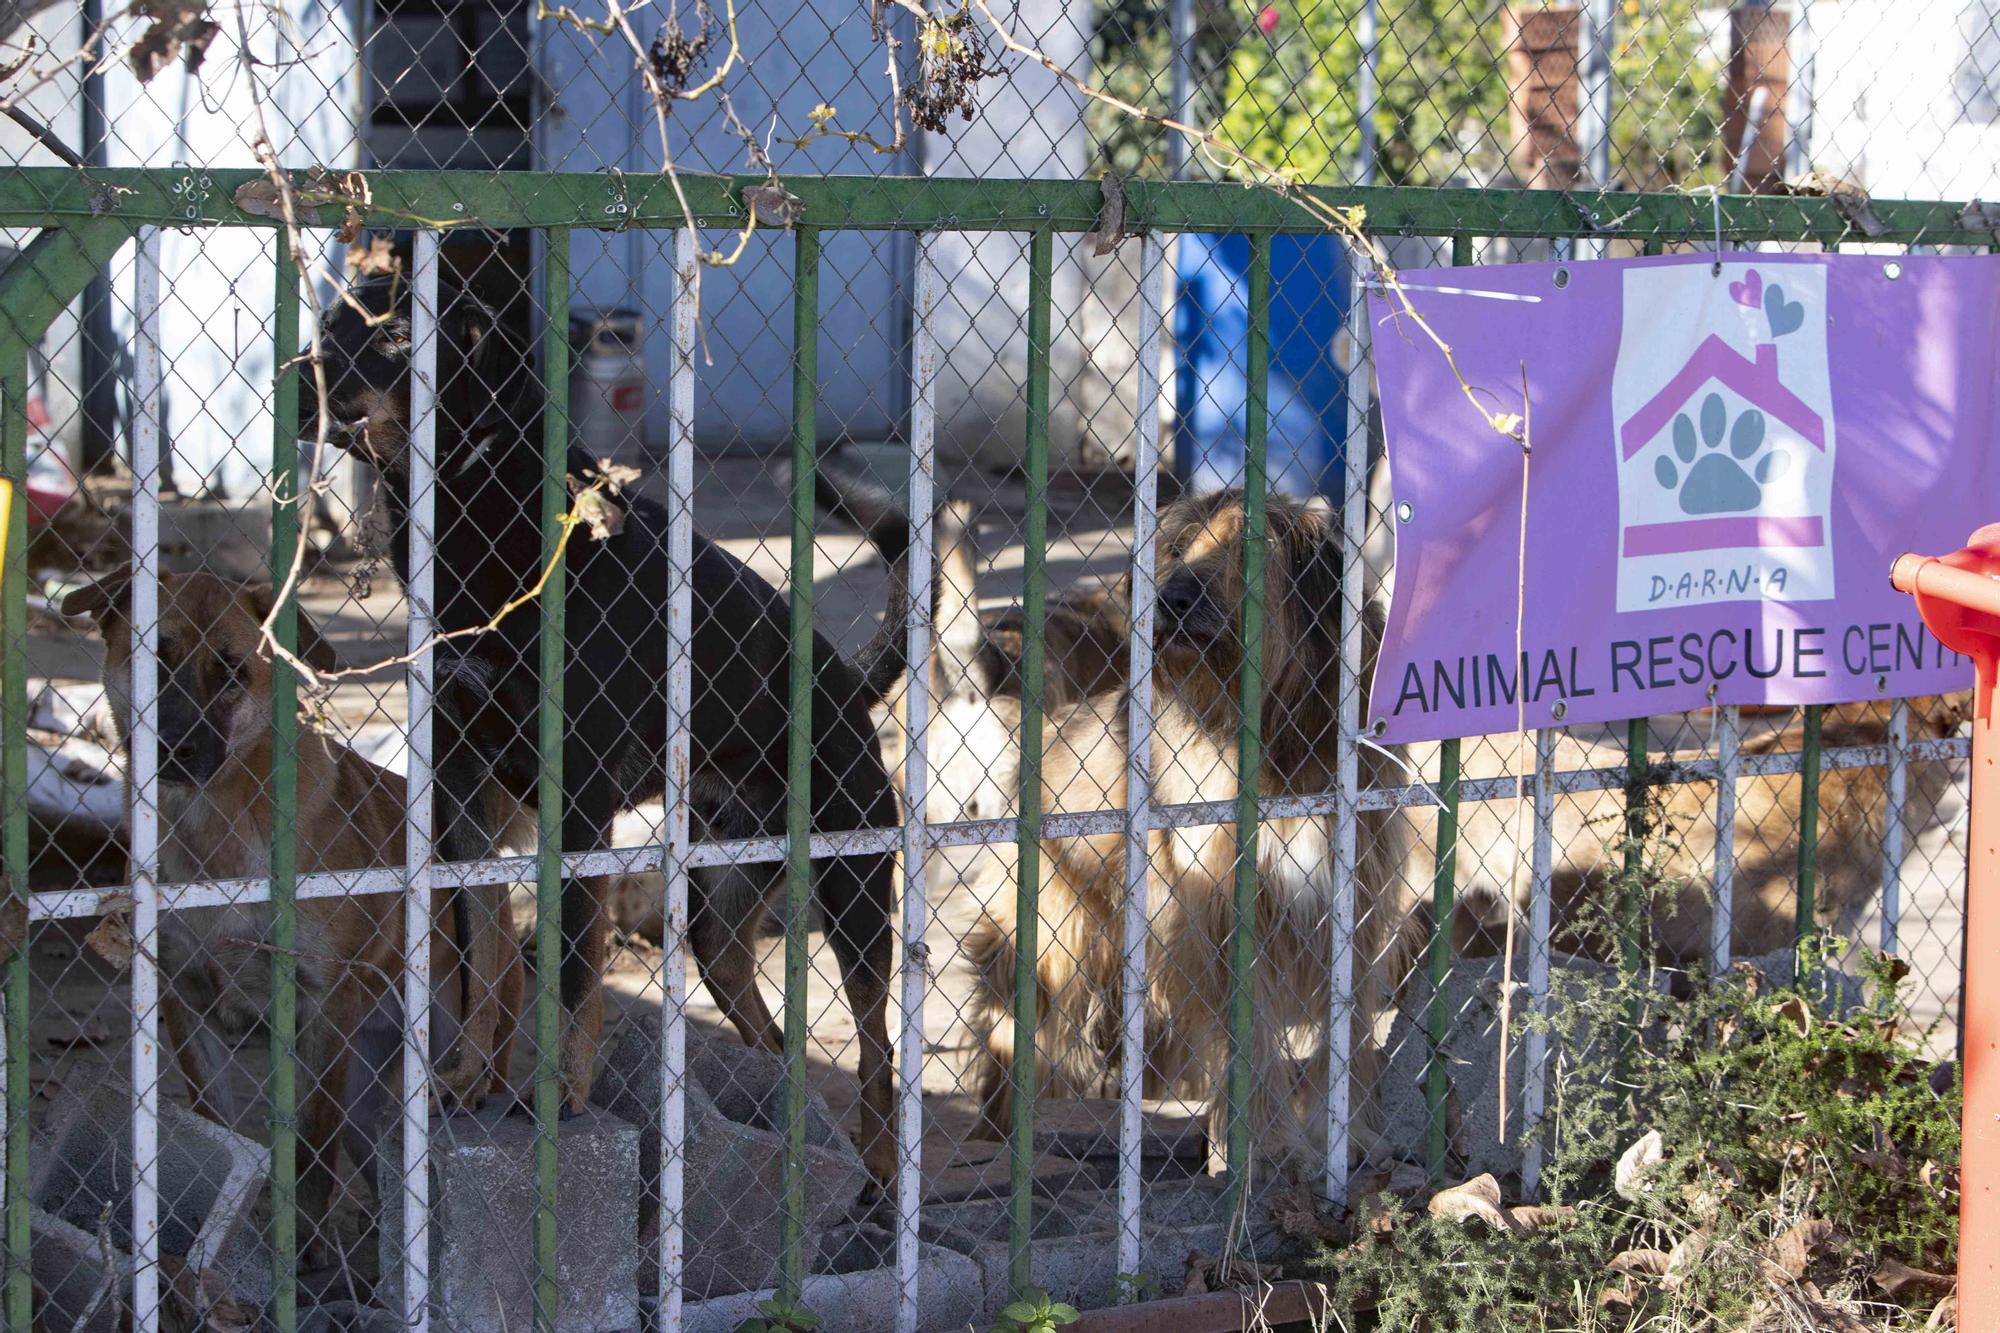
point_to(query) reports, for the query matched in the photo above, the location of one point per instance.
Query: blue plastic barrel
(1309, 297)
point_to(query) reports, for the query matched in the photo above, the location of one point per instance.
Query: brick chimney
(1543, 95)
(1757, 60)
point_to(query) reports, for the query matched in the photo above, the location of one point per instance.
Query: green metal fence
(83, 219)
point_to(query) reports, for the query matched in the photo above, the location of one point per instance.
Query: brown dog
(215, 751)
(1192, 870)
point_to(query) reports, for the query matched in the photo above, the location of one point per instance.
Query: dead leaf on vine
(1638, 1161)
(1478, 1197)
(111, 938)
(1531, 1218)
(1794, 1010)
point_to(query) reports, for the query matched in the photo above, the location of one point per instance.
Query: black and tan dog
(1192, 870)
(489, 461)
(215, 755)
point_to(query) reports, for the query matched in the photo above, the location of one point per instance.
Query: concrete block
(733, 1178)
(1086, 1128)
(208, 1175)
(956, 1170)
(81, 1286)
(1075, 1247)
(853, 1289)
(482, 1223)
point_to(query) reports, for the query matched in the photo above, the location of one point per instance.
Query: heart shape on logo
(1750, 291)
(1784, 315)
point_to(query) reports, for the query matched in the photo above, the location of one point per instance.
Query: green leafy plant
(1725, 1154)
(1036, 1312)
(1130, 1289)
(780, 1316)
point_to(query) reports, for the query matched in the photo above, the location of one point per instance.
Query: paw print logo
(1711, 479)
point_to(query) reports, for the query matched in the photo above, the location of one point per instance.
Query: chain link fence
(626, 633)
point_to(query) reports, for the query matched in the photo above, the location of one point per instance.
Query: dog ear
(110, 598)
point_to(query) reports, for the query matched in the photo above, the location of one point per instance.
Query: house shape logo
(1724, 437)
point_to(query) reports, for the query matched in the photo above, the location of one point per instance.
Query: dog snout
(1178, 598)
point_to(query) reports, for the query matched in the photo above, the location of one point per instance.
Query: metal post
(1892, 823)
(1631, 902)
(143, 749)
(1139, 749)
(1027, 891)
(798, 799)
(1729, 766)
(1804, 45)
(1535, 1048)
(284, 797)
(548, 856)
(1249, 727)
(916, 786)
(680, 693)
(1806, 921)
(1595, 38)
(1444, 884)
(14, 808)
(1366, 94)
(1181, 28)
(418, 792)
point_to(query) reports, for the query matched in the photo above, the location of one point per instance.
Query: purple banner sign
(1723, 467)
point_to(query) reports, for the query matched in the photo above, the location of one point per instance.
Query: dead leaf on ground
(1793, 1252)
(1478, 1197)
(1638, 1161)
(1201, 1274)
(1640, 1263)
(1297, 1214)
(1897, 1279)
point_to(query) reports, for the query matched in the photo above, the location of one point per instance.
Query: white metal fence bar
(1347, 769)
(916, 786)
(68, 904)
(144, 746)
(1535, 1046)
(419, 832)
(1728, 768)
(1139, 748)
(680, 693)
(1892, 823)
(1799, 94)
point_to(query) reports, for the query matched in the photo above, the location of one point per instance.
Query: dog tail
(849, 499)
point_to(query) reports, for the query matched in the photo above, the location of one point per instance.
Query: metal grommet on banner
(1562, 277)
(1892, 270)
(1405, 512)
(1559, 710)
(1379, 727)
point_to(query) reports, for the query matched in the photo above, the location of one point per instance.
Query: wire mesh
(779, 504)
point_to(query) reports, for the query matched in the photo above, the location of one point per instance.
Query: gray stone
(853, 1289)
(482, 1223)
(348, 1317)
(1472, 1059)
(81, 1285)
(733, 1180)
(1830, 989)
(208, 1176)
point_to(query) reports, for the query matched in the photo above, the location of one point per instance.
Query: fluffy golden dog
(1191, 871)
